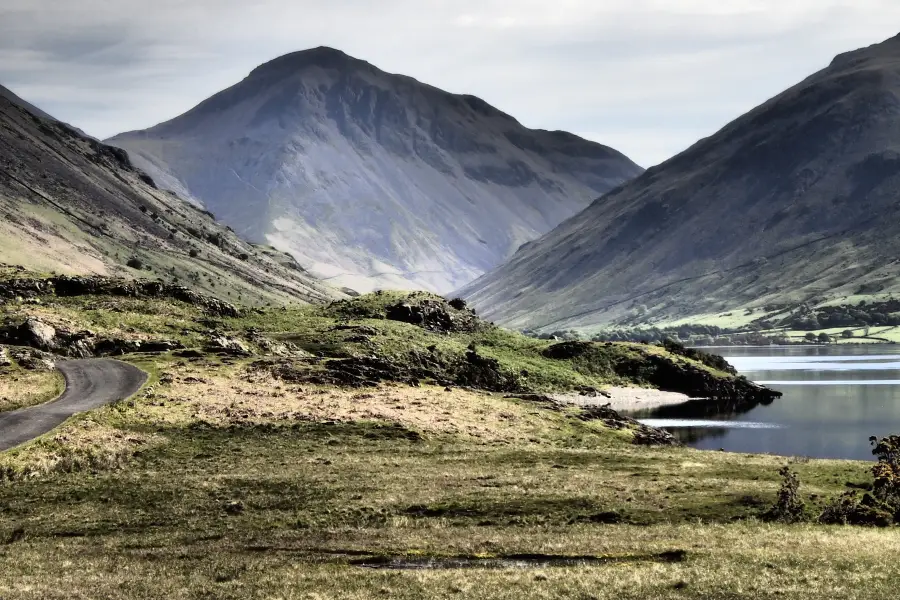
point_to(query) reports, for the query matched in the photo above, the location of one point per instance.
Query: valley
(227, 369)
(304, 451)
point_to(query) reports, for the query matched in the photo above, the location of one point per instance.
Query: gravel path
(89, 384)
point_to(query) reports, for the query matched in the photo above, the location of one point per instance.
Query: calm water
(835, 398)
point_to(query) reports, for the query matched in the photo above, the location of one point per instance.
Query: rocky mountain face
(70, 204)
(796, 201)
(373, 180)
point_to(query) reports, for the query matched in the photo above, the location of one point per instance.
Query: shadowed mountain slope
(72, 205)
(373, 179)
(796, 201)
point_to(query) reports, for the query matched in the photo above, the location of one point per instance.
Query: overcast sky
(648, 77)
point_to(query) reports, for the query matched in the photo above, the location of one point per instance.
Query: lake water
(835, 398)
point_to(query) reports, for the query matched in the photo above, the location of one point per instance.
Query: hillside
(72, 205)
(373, 180)
(794, 202)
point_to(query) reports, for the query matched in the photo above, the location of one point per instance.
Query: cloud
(646, 76)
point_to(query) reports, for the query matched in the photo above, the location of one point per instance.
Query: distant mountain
(798, 200)
(72, 205)
(372, 179)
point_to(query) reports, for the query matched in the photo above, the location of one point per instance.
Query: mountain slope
(73, 205)
(14, 99)
(796, 201)
(373, 179)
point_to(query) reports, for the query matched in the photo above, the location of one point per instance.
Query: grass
(219, 480)
(142, 502)
(20, 388)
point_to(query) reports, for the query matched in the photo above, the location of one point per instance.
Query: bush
(194, 253)
(881, 508)
(244, 256)
(135, 263)
(788, 507)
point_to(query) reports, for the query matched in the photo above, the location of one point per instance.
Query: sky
(647, 77)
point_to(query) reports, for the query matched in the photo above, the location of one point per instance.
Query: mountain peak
(322, 57)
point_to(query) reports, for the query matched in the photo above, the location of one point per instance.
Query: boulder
(223, 344)
(37, 334)
(4, 358)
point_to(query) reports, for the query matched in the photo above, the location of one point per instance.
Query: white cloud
(645, 76)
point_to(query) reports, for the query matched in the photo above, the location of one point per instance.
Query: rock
(458, 304)
(33, 360)
(235, 507)
(644, 435)
(4, 358)
(118, 347)
(226, 345)
(96, 285)
(37, 334)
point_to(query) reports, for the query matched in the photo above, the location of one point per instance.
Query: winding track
(89, 384)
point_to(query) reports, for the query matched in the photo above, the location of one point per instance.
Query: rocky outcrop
(83, 286)
(119, 347)
(4, 358)
(222, 344)
(33, 360)
(109, 286)
(37, 334)
(644, 435)
(663, 372)
(422, 309)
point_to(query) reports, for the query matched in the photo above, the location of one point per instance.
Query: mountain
(372, 179)
(72, 205)
(796, 201)
(8, 95)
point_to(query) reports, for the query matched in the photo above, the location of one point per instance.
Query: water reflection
(834, 399)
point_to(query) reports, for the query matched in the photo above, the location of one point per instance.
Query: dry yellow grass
(19, 388)
(257, 398)
(489, 476)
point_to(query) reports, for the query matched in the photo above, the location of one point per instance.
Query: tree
(810, 337)
(847, 333)
(824, 338)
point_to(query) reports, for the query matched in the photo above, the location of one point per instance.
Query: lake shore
(626, 399)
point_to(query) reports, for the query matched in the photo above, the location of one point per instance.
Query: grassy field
(222, 480)
(20, 388)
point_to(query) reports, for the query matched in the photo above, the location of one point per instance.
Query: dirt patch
(511, 561)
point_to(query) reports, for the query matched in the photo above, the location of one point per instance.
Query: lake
(835, 398)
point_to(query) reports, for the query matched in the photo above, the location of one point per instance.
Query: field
(223, 478)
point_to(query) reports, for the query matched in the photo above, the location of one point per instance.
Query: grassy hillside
(329, 454)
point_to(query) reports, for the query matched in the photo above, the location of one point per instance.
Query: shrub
(881, 508)
(244, 256)
(194, 253)
(788, 507)
(135, 263)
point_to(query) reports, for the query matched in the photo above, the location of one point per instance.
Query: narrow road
(89, 384)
